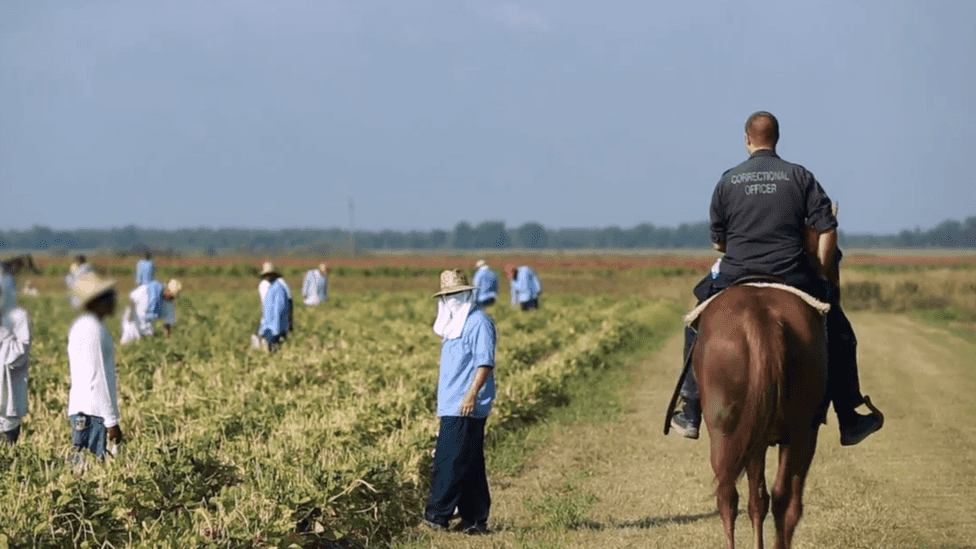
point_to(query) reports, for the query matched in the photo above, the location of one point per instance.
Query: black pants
(843, 385)
(458, 478)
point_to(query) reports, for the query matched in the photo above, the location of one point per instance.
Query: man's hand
(115, 434)
(467, 403)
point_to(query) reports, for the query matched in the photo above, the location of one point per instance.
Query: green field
(328, 439)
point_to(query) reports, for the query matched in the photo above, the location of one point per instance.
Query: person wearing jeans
(93, 409)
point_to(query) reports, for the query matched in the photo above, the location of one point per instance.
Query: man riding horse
(766, 214)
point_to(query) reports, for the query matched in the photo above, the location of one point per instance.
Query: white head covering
(452, 312)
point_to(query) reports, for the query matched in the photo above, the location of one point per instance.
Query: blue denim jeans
(88, 432)
(458, 478)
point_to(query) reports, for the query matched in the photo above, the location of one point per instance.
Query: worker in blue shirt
(465, 392)
(274, 316)
(486, 281)
(145, 270)
(315, 286)
(524, 285)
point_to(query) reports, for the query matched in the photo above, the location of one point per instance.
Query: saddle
(758, 281)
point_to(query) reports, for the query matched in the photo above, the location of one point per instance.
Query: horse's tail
(762, 407)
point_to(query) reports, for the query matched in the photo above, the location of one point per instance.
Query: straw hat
(481, 263)
(89, 286)
(452, 282)
(174, 286)
(268, 268)
(323, 267)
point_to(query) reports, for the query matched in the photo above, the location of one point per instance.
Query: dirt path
(911, 486)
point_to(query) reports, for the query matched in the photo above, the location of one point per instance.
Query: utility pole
(352, 229)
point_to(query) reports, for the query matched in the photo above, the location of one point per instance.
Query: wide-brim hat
(452, 282)
(174, 287)
(268, 268)
(89, 286)
(323, 267)
(480, 263)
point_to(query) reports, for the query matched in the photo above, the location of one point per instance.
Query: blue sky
(261, 113)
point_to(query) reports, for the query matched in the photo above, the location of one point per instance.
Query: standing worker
(269, 275)
(93, 408)
(761, 213)
(524, 285)
(275, 310)
(15, 342)
(315, 287)
(465, 392)
(145, 270)
(486, 281)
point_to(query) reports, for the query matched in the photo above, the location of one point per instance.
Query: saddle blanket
(820, 306)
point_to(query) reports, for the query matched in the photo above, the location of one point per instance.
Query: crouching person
(93, 409)
(465, 391)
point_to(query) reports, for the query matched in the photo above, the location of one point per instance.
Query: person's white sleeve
(15, 340)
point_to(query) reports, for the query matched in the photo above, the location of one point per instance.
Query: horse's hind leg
(758, 496)
(726, 495)
(794, 464)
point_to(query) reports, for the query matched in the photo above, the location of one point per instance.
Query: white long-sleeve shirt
(15, 342)
(91, 358)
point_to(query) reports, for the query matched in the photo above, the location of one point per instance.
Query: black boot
(687, 417)
(687, 420)
(843, 384)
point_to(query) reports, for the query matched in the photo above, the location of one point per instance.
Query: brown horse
(761, 365)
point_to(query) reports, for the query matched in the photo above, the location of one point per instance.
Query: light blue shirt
(145, 271)
(486, 281)
(274, 312)
(154, 307)
(525, 286)
(460, 358)
(315, 288)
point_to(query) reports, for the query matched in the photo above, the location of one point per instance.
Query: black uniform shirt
(760, 208)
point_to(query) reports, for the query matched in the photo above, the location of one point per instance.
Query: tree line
(464, 236)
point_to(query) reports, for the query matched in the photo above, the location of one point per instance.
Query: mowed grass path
(621, 483)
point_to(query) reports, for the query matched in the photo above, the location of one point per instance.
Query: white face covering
(452, 311)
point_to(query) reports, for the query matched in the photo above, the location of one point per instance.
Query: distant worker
(30, 289)
(149, 303)
(767, 216)
(315, 288)
(15, 342)
(465, 392)
(486, 281)
(276, 305)
(78, 268)
(524, 285)
(93, 408)
(145, 270)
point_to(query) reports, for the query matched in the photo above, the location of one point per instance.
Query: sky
(569, 113)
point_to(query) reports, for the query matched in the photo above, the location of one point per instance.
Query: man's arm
(827, 257)
(480, 377)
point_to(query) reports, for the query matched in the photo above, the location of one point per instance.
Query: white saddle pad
(820, 306)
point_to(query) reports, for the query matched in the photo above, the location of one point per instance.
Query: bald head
(762, 130)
